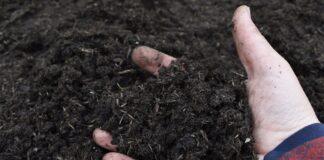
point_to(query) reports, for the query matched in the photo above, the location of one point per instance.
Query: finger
(103, 139)
(150, 59)
(260, 157)
(251, 46)
(116, 156)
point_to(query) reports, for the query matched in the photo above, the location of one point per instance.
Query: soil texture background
(65, 70)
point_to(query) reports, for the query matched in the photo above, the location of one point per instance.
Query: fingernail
(248, 11)
(245, 10)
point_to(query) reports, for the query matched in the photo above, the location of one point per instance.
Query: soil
(65, 70)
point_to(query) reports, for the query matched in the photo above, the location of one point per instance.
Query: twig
(126, 71)
(239, 74)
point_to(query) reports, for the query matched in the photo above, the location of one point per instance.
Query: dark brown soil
(64, 70)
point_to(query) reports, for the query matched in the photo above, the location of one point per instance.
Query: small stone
(247, 140)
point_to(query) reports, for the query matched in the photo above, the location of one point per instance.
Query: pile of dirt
(186, 113)
(65, 70)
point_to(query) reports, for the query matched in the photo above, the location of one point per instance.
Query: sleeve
(305, 144)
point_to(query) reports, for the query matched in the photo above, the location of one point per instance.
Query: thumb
(251, 46)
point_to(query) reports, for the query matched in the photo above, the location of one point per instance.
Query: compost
(65, 70)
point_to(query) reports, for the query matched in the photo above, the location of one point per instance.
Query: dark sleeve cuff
(307, 141)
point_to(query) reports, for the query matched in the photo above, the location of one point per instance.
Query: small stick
(126, 71)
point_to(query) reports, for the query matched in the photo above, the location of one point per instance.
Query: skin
(151, 60)
(278, 103)
(104, 139)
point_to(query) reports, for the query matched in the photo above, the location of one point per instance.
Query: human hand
(151, 61)
(277, 100)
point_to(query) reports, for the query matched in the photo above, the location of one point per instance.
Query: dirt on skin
(65, 70)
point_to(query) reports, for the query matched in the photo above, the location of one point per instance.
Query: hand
(151, 61)
(277, 100)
